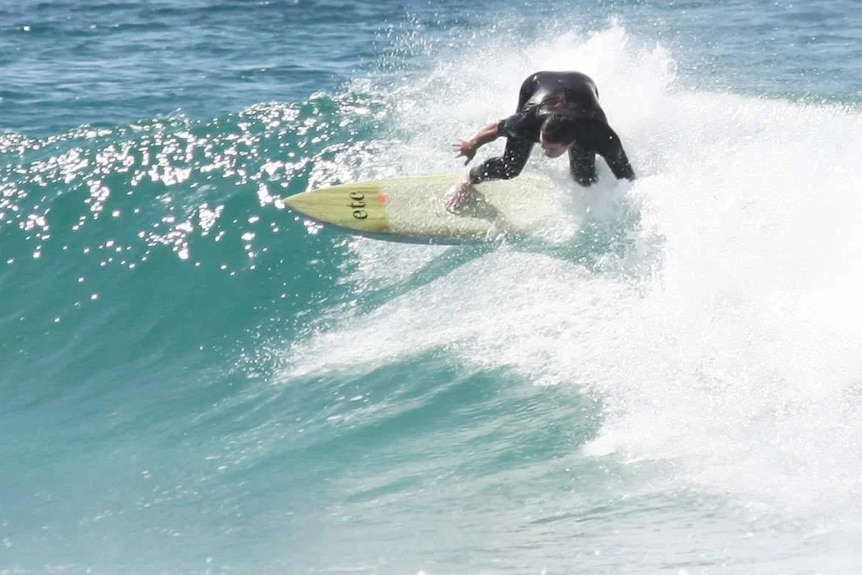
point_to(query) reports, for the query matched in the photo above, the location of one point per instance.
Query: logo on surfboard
(357, 202)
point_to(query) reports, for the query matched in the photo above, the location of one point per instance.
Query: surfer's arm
(467, 148)
(610, 147)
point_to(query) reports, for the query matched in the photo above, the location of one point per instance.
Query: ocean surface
(194, 380)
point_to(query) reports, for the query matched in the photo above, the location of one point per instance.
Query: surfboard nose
(360, 207)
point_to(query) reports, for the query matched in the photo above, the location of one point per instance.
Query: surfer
(558, 110)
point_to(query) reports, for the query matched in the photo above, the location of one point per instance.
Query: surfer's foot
(459, 197)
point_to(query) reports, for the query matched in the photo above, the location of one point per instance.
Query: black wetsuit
(570, 94)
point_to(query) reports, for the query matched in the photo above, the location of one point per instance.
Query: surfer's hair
(559, 129)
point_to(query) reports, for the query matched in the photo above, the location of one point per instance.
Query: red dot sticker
(383, 198)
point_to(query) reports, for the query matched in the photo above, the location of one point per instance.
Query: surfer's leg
(583, 166)
(506, 167)
(528, 88)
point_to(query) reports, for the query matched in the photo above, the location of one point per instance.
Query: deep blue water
(194, 380)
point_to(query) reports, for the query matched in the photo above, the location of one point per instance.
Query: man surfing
(558, 110)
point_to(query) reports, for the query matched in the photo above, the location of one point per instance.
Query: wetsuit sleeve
(523, 125)
(608, 145)
(509, 126)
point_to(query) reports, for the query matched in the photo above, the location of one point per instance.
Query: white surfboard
(413, 209)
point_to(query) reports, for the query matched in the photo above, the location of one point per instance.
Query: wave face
(195, 380)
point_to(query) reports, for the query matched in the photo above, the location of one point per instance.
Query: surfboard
(413, 209)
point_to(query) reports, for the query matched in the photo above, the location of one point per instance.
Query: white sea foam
(737, 357)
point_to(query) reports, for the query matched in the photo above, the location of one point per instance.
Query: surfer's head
(557, 135)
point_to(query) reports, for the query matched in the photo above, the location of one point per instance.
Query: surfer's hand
(466, 149)
(457, 196)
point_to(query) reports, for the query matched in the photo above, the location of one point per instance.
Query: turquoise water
(193, 380)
